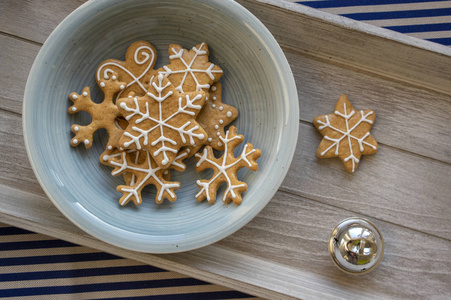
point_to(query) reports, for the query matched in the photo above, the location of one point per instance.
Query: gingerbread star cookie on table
(346, 134)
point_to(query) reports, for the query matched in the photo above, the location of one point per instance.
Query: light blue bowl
(257, 80)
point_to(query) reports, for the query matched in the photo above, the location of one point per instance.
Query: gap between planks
(293, 193)
(3, 33)
(361, 69)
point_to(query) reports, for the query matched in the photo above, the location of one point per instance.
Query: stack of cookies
(157, 118)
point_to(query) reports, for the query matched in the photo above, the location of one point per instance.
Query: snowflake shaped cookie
(103, 114)
(191, 71)
(127, 161)
(135, 71)
(162, 121)
(226, 168)
(215, 115)
(346, 134)
(141, 170)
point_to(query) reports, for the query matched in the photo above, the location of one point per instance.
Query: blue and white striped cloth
(429, 20)
(35, 266)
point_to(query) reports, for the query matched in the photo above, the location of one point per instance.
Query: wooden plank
(408, 117)
(356, 44)
(17, 57)
(288, 242)
(34, 20)
(317, 33)
(15, 167)
(394, 186)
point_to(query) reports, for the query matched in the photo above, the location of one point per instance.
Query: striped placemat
(36, 266)
(428, 20)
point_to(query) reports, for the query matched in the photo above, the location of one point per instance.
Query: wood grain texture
(407, 116)
(392, 185)
(288, 242)
(15, 167)
(17, 58)
(34, 20)
(350, 42)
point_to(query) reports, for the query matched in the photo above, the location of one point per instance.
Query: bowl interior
(257, 80)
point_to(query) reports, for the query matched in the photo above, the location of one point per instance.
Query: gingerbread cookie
(135, 71)
(346, 134)
(190, 71)
(162, 121)
(139, 175)
(215, 115)
(226, 168)
(103, 114)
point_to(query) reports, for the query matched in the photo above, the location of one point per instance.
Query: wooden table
(405, 189)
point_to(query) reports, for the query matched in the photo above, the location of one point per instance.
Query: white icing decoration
(210, 139)
(122, 87)
(114, 77)
(147, 58)
(221, 121)
(178, 55)
(106, 156)
(336, 142)
(150, 172)
(75, 141)
(75, 97)
(76, 128)
(162, 123)
(85, 94)
(216, 126)
(213, 88)
(102, 84)
(229, 114)
(184, 154)
(74, 108)
(218, 133)
(214, 98)
(205, 186)
(213, 105)
(219, 144)
(165, 172)
(110, 147)
(86, 142)
(221, 108)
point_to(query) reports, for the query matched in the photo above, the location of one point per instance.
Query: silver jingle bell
(356, 246)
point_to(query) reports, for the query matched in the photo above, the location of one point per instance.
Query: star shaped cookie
(346, 134)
